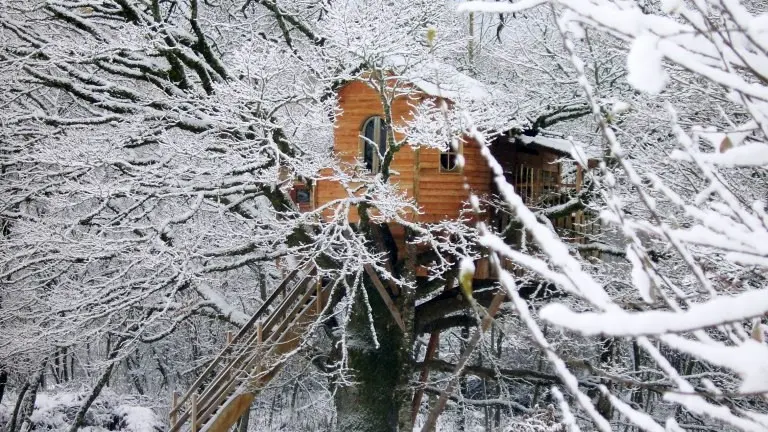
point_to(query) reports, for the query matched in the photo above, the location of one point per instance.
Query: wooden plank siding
(440, 195)
(533, 170)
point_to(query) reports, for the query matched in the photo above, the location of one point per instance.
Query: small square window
(302, 195)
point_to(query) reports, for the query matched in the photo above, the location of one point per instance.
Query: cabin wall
(358, 102)
(440, 195)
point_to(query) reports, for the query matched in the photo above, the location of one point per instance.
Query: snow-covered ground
(55, 411)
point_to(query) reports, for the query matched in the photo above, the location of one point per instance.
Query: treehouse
(540, 168)
(434, 178)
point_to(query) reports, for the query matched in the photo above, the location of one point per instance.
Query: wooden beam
(434, 341)
(174, 403)
(385, 296)
(230, 413)
(431, 348)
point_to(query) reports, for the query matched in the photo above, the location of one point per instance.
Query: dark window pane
(302, 195)
(382, 138)
(370, 126)
(448, 161)
(368, 155)
(374, 141)
(369, 130)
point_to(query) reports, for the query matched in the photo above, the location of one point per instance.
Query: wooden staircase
(250, 359)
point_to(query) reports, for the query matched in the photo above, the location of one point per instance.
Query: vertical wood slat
(193, 401)
(434, 338)
(174, 405)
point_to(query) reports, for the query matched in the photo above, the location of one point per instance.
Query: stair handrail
(243, 330)
(273, 331)
(275, 338)
(247, 347)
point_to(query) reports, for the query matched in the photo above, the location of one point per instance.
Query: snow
(643, 420)
(488, 7)
(752, 154)
(137, 419)
(576, 150)
(671, 6)
(701, 315)
(55, 411)
(640, 275)
(620, 107)
(466, 269)
(749, 359)
(644, 64)
(442, 80)
(221, 304)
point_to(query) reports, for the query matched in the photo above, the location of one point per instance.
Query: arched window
(449, 158)
(373, 142)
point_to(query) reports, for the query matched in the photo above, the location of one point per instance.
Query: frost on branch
(683, 183)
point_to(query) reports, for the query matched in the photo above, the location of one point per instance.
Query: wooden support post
(230, 336)
(429, 426)
(174, 408)
(193, 410)
(259, 333)
(434, 342)
(319, 297)
(434, 338)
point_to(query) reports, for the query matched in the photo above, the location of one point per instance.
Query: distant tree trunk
(3, 381)
(406, 303)
(262, 284)
(17, 407)
(103, 381)
(26, 404)
(64, 355)
(80, 418)
(603, 405)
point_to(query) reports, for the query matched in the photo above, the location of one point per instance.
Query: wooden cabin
(431, 177)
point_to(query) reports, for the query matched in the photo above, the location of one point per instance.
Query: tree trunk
(406, 304)
(103, 381)
(3, 382)
(17, 407)
(80, 418)
(27, 407)
(375, 402)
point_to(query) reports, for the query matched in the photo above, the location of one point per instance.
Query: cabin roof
(572, 148)
(442, 80)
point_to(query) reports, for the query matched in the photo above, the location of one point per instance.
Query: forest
(383, 215)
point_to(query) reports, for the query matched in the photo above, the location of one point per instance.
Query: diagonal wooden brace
(385, 296)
